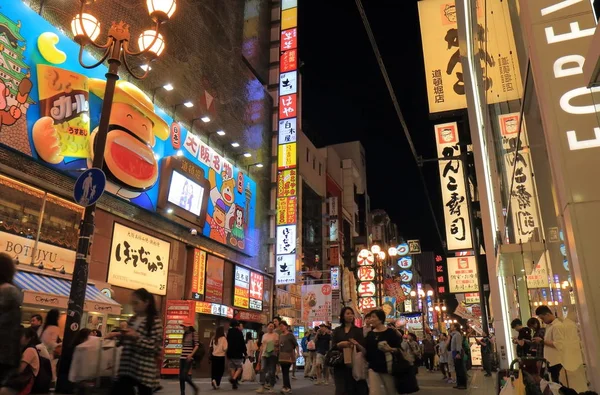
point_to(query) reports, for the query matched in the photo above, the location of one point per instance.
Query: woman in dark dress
(347, 336)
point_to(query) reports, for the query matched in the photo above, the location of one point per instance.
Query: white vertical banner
(454, 196)
(524, 206)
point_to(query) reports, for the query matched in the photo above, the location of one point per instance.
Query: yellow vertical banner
(443, 70)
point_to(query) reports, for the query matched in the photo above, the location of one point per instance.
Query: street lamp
(392, 251)
(258, 164)
(375, 249)
(115, 51)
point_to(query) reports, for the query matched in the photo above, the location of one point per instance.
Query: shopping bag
(95, 358)
(360, 369)
(248, 371)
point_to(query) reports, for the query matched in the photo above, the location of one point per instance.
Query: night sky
(345, 99)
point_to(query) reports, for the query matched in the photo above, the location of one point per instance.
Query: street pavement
(430, 384)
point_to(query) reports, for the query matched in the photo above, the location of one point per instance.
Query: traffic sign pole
(86, 233)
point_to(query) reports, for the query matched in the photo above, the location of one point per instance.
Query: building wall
(312, 164)
(356, 152)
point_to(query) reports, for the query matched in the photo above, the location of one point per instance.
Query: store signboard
(59, 105)
(198, 273)
(405, 262)
(316, 302)
(471, 297)
(257, 282)
(214, 279)
(178, 311)
(21, 248)
(214, 309)
(443, 67)
(462, 274)
(454, 194)
(138, 260)
(335, 278)
(287, 191)
(241, 289)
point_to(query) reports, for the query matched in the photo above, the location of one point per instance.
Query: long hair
(249, 336)
(51, 318)
(343, 312)
(151, 311)
(219, 334)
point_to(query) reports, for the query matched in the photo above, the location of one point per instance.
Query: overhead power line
(386, 78)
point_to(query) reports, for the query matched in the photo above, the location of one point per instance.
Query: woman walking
(347, 336)
(50, 338)
(381, 343)
(269, 351)
(218, 347)
(442, 349)
(142, 343)
(288, 351)
(10, 319)
(190, 345)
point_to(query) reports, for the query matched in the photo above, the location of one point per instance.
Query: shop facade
(530, 115)
(155, 216)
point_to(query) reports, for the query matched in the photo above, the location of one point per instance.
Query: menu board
(241, 289)
(177, 312)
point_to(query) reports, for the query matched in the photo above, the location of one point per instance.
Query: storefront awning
(54, 292)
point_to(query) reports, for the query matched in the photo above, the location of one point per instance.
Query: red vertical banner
(214, 279)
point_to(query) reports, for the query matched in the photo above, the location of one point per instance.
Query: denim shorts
(236, 363)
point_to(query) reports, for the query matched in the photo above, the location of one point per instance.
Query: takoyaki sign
(50, 110)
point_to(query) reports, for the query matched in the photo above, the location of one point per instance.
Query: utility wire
(384, 73)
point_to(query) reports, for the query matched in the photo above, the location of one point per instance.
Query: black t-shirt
(322, 343)
(376, 357)
(524, 334)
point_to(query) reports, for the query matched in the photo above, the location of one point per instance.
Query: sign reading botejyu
(559, 35)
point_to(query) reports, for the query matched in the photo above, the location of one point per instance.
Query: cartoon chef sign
(129, 161)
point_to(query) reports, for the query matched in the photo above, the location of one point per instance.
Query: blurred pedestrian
(142, 344)
(36, 322)
(428, 353)
(10, 318)
(218, 349)
(236, 351)
(380, 343)
(456, 347)
(288, 351)
(268, 355)
(322, 344)
(189, 347)
(486, 353)
(348, 336)
(51, 338)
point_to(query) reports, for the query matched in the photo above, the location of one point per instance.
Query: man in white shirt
(554, 341)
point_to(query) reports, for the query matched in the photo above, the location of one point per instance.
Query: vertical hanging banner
(443, 68)
(454, 195)
(524, 201)
(287, 219)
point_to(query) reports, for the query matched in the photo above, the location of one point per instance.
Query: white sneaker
(261, 390)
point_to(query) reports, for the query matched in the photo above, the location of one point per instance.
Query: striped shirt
(189, 342)
(139, 355)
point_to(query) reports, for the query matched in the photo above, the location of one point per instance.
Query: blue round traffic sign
(89, 187)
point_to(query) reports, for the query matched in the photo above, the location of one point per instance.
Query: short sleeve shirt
(31, 358)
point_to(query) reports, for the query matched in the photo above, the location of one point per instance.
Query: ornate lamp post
(115, 51)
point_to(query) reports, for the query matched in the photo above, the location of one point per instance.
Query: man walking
(306, 353)
(322, 345)
(36, 322)
(456, 348)
(236, 351)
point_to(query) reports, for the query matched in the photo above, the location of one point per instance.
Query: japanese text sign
(198, 273)
(454, 195)
(462, 274)
(214, 279)
(443, 67)
(286, 269)
(286, 210)
(257, 282)
(287, 183)
(241, 291)
(335, 278)
(287, 131)
(286, 157)
(138, 260)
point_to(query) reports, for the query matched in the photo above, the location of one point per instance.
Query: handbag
(21, 382)
(334, 358)
(405, 379)
(286, 357)
(360, 369)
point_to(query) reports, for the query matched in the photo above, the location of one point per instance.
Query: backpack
(41, 384)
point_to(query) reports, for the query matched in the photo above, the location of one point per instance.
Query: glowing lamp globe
(146, 42)
(85, 27)
(161, 10)
(375, 249)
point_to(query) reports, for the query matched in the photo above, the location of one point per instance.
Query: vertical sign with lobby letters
(286, 220)
(454, 194)
(559, 35)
